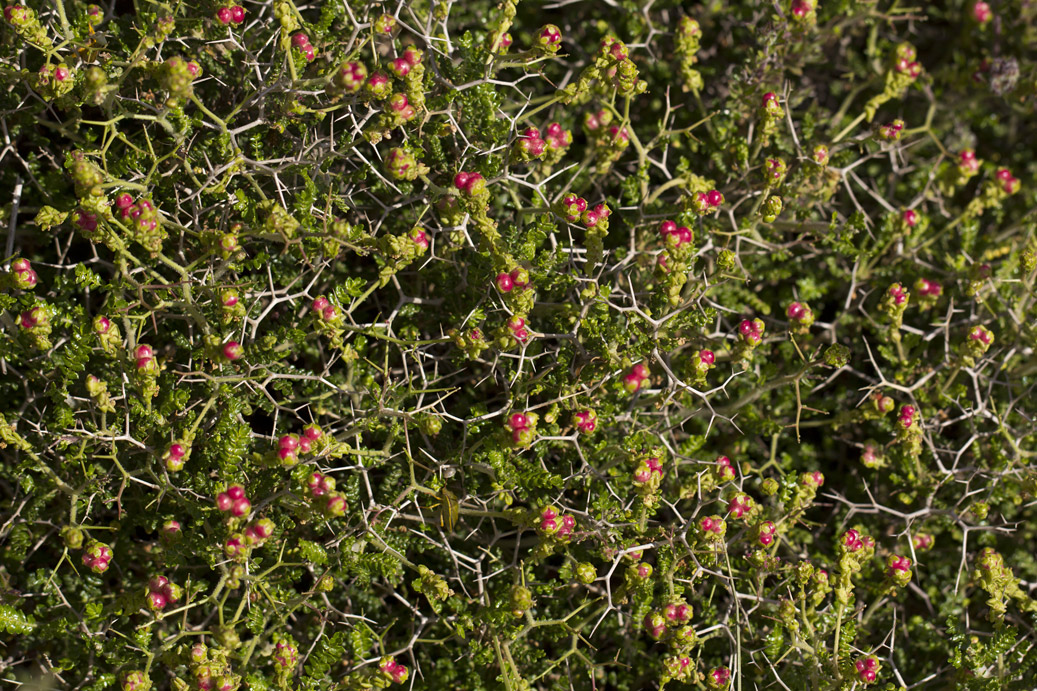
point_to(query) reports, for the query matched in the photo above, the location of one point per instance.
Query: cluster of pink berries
(981, 12)
(703, 361)
(25, 277)
(231, 351)
(765, 533)
(648, 470)
(142, 212)
(677, 613)
(576, 209)
(725, 469)
(399, 104)
(867, 668)
(679, 668)
(586, 421)
(821, 155)
(378, 84)
(517, 326)
(59, 73)
(928, 288)
(897, 563)
(771, 106)
(302, 42)
(636, 377)
(674, 236)
(907, 416)
(774, 170)
(557, 136)
(853, 541)
(714, 525)
(470, 184)
(291, 446)
(238, 545)
(906, 63)
(549, 38)
(739, 505)
(923, 541)
(393, 670)
(385, 24)
(85, 221)
(31, 318)
(532, 145)
(1009, 183)
(233, 14)
(517, 279)
(815, 479)
(145, 358)
(323, 309)
(351, 76)
(286, 655)
(410, 59)
(552, 523)
(572, 207)
(708, 202)
(882, 403)
(801, 9)
(161, 593)
(981, 334)
(892, 131)
(322, 491)
(871, 455)
(420, 239)
(97, 556)
(800, 313)
(898, 293)
(175, 457)
(720, 678)
(234, 501)
(522, 427)
(751, 331)
(968, 164)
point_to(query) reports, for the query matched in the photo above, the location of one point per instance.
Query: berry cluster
(649, 472)
(516, 279)
(161, 592)
(522, 428)
(554, 524)
(231, 14)
(23, 276)
(635, 379)
(97, 556)
(291, 446)
(751, 332)
(144, 220)
(867, 669)
(586, 421)
(302, 42)
(673, 236)
(393, 671)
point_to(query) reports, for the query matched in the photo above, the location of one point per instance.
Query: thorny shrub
(553, 345)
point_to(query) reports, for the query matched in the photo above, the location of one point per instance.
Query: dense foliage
(544, 345)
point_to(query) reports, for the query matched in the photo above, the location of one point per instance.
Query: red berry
(224, 15)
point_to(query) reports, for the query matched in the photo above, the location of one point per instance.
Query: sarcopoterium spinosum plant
(519, 345)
